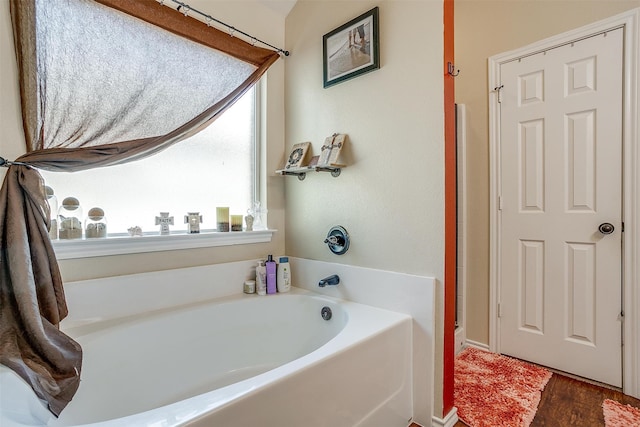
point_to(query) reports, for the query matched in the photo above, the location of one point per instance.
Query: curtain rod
(4, 163)
(232, 29)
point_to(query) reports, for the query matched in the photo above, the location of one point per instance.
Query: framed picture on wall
(351, 49)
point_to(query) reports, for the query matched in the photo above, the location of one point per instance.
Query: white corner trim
(631, 289)
(460, 339)
(86, 248)
(449, 421)
(463, 227)
(630, 21)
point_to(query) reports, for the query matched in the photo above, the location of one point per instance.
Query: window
(216, 167)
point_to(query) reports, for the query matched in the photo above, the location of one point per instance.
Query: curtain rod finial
(4, 163)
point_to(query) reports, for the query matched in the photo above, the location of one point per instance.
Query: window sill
(87, 248)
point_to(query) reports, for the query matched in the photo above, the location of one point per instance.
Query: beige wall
(390, 197)
(250, 16)
(483, 29)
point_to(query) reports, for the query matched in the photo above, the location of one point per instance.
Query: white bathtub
(242, 360)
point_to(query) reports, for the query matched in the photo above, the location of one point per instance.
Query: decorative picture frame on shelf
(351, 49)
(331, 149)
(297, 155)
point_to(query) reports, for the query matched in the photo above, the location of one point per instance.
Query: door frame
(630, 21)
(461, 226)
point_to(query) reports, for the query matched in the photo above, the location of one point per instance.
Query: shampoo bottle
(261, 278)
(271, 275)
(284, 275)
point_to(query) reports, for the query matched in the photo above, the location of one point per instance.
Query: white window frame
(122, 245)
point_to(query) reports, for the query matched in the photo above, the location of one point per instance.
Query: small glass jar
(95, 225)
(53, 212)
(249, 286)
(70, 219)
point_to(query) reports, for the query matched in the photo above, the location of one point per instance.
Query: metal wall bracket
(301, 173)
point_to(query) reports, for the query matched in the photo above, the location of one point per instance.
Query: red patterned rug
(493, 390)
(618, 415)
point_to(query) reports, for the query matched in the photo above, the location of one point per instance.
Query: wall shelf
(301, 173)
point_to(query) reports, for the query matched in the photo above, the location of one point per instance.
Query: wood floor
(569, 402)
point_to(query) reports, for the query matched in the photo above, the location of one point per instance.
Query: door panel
(561, 175)
(532, 286)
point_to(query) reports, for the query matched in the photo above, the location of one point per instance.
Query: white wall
(250, 16)
(390, 197)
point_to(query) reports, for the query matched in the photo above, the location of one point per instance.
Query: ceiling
(282, 7)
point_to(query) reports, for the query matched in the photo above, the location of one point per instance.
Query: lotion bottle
(284, 275)
(261, 278)
(271, 275)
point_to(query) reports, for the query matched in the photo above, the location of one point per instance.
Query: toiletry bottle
(284, 275)
(261, 278)
(271, 275)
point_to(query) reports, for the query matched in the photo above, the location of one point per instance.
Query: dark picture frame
(351, 49)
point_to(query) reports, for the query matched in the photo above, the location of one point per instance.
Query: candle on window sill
(236, 222)
(222, 218)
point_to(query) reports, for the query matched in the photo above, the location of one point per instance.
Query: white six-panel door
(561, 178)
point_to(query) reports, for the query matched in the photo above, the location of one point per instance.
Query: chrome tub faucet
(331, 280)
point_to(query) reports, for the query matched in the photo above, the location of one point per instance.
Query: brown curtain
(102, 82)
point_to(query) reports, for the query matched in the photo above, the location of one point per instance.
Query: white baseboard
(476, 344)
(449, 421)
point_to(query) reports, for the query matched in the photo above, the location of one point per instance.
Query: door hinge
(621, 320)
(499, 310)
(499, 90)
(499, 203)
(622, 227)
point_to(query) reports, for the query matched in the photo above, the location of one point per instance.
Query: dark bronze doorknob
(606, 228)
